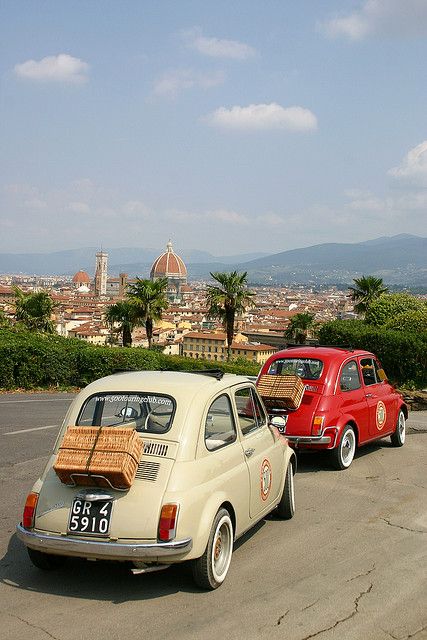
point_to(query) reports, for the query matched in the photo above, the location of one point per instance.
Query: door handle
(249, 452)
(370, 395)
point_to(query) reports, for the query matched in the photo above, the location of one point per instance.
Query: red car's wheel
(398, 437)
(343, 454)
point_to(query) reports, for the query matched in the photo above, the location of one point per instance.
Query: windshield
(146, 412)
(306, 368)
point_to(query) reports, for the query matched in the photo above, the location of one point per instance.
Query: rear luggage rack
(213, 373)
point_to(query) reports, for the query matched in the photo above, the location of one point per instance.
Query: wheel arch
(403, 407)
(215, 502)
(351, 422)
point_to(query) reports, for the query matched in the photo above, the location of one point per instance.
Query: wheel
(342, 456)
(210, 569)
(45, 561)
(398, 437)
(286, 506)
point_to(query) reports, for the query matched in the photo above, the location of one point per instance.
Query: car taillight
(167, 522)
(318, 425)
(30, 510)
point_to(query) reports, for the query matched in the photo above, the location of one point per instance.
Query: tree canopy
(299, 326)
(387, 306)
(124, 314)
(228, 298)
(367, 289)
(149, 300)
(34, 310)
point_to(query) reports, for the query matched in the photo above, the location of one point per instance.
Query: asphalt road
(351, 565)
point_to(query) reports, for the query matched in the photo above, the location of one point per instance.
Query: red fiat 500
(347, 401)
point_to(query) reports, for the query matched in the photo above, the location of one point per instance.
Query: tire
(45, 561)
(342, 456)
(210, 570)
(398, 437)
(286, 506)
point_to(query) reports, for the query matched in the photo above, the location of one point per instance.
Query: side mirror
(128, 412)
(279, 422)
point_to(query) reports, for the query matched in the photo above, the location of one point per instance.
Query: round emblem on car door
(381, 415)
(266, 478)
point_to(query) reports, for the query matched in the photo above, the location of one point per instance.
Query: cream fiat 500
(211, 467)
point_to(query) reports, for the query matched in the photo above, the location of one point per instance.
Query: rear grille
(148, 470)
(155, 449)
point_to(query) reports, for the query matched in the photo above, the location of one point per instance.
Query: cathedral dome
(168, 265)
(81, 277)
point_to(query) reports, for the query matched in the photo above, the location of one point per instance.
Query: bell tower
(101, 273)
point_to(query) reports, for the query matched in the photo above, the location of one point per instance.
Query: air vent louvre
(148, 470)
(155, 449)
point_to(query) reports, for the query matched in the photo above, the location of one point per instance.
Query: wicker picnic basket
(281, 392)
(97, 456)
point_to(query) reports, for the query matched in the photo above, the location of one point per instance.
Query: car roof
(175, 383)
(320, 352)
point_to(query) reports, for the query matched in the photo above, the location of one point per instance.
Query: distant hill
(400, 260)
(128, 259)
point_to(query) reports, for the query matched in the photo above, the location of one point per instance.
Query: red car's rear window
(306, 368)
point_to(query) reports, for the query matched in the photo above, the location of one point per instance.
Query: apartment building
(213, 346)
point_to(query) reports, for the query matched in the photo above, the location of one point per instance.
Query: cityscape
(185, 328)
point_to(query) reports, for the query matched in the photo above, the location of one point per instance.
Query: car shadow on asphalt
(102, 580)
(315, 461)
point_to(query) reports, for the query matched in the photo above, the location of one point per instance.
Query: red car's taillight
(167, 522)
(318, 422)
(30, 510)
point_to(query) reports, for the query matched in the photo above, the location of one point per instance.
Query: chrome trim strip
(103, 550)
(308, 439)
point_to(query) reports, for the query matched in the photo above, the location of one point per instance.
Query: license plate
(90, 518)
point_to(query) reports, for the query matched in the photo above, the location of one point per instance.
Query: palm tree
(34, 310)
(149, 299)
(122, 313)
(367, 289)
(227, 299)
(299, 326)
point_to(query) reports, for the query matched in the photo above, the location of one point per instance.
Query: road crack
(399, 526)
(311, 605)
(33, 626)
(361, 575)
(341, 620)
(279, 621)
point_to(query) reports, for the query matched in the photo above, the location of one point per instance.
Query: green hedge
(31, 360)
(402, 354)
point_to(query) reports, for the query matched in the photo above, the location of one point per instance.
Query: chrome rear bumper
(96, 549)
(321, 439)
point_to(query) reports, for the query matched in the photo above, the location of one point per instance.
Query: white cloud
(228, 216)
(387, 17)
(256, 117)
(60, 68)
(217, 48)
(270, 220)
(413, 168)
(174, 81)
(79, 207)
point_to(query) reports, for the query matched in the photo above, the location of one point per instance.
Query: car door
(263, 455)
(352, 399)
(381, 411)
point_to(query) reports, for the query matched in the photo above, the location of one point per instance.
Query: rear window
(306, 368)
(146, 412)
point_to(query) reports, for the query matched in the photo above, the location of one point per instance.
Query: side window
(349, 379)
(379, 372)
(368, 371)
(249, 410)
(220, 429)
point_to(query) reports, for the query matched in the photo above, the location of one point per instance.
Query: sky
(228, 127)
